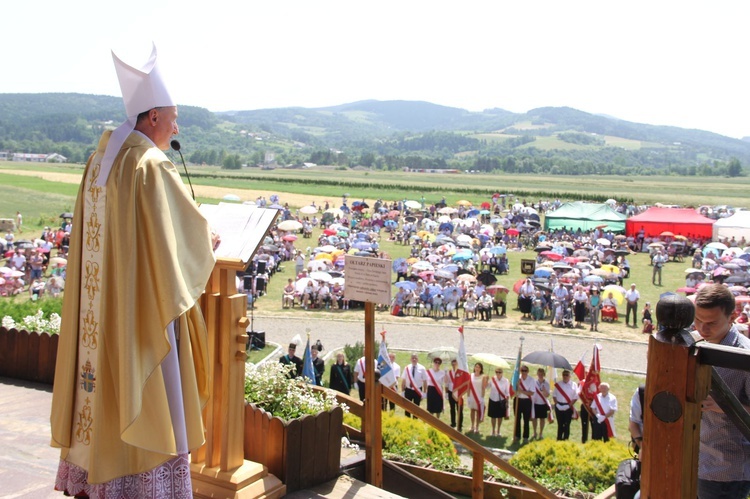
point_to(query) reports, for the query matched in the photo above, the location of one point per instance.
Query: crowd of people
(29, 266)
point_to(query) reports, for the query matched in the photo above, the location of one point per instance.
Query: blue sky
(664, 63)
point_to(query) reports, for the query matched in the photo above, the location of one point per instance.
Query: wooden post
(675, 386)
(477, 476)
(371, 424)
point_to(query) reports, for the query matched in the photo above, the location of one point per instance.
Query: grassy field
(691, 191)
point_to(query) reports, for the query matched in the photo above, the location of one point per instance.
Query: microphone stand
(176, 146)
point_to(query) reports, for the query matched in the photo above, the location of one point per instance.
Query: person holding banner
(499, 395)
(540, 401)
(477, 388)
(414, 381)
(604, 407)
(565, 395)
(435, 386)
(523, 405)
(456, 408)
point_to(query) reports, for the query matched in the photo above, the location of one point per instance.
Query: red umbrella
(742, 299)
(551, 255)
(485, 205)
(495, 288)
(329, 232)
(518, 284)
(394, 214)
(571, 260)
(512, 232)
(687, 290)
(289, 237)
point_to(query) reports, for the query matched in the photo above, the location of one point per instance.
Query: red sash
(497, 387)
(610, 430)
(434, 383)
(479, 401)
(502, 396)
(411, 382)
(361, 368)
(452, 377)
(567, 399)
(550, 416)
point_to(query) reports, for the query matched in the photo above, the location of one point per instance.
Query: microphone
(176, 146)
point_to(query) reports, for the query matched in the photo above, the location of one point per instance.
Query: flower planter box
(302, 453)
(28, 355)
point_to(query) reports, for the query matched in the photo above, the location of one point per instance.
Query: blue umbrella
(462, 256)
(361, 235)
(450, 289)
(593, 279)
(542, 272)
(407, 285)
(397, 262)
(484, 212)
(498, 250)
(483, 237)
(391, 223)
(472, 213)
(445, 226)
(434, 289)
(451, 267)
(496, 220)
(362, 245)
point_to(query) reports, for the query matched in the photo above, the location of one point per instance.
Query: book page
(242, 227)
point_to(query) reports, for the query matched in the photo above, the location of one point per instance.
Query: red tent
(681, 221)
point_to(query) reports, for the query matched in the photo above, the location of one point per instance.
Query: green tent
(586, 216)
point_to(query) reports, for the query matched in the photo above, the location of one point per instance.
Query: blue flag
(516, 370)
(387, 376)
(308, 371)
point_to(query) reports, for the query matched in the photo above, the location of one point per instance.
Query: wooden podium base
(249, 481)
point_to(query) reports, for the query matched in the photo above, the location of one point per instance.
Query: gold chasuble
(140, 256)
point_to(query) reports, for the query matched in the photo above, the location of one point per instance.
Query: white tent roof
(738, 225)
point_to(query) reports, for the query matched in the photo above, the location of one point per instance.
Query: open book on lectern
(241, 227)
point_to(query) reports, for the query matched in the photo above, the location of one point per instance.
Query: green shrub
(354, 352)
(42, 316)
(571, 466)
(413, 441)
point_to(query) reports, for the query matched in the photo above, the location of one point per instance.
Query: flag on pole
(308, 371)
(580, 369)
(590, 385)
(516, 371)
(554, 371)
(387, 376)
(462, 379)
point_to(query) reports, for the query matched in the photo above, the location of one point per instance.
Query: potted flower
(291, 428)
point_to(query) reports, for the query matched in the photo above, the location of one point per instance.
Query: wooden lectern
(219, 469)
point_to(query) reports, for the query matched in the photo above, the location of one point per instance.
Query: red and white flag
(580, 369)
(590, 385)
(463, 379)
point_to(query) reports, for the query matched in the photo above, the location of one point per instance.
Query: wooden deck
(341, 488)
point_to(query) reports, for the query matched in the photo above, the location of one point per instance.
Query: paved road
(619, 355)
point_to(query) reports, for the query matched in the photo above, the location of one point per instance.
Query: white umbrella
(444, 219)
(422, 266)
(301, 284)
(335, 212)
(447, 210)
(290, 225)
(464, 238)
(603, 241)
(317, 265)
(308, 210)
(321, 276)
(231, 197)
(338, 280)
(325, 249)
(415, 205)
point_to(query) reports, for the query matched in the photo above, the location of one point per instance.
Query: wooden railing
(28, 355)
(480, 454)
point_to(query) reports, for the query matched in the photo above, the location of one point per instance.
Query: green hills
(387, 135)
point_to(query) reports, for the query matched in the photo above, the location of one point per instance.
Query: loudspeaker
(256, 340)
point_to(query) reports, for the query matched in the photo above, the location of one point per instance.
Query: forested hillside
(386, 135)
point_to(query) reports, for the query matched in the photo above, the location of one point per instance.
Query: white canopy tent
(737, 226)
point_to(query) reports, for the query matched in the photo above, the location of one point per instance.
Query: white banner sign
(368, 279)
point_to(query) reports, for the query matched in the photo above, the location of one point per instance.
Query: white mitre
(142, 89)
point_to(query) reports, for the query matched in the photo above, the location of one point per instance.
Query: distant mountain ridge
(386, 128)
